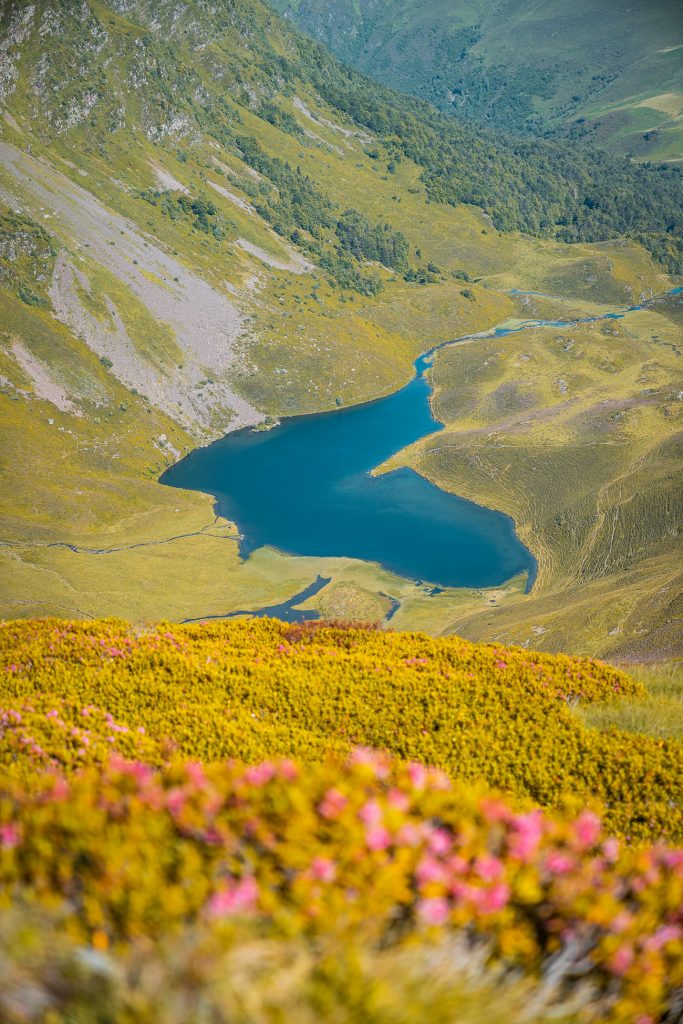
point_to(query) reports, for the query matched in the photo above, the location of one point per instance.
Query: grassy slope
(524, 65)
(659, 712)
(575, 432)
(103, 494)
(254, 690)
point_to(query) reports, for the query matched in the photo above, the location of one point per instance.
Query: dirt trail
(237, 200)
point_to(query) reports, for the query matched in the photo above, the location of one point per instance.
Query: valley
(600, 74)
(169, 276)
(341, 447)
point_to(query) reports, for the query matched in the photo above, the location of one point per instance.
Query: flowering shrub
(372, 851)
(121, 821)
(259, 689)
(50, 731)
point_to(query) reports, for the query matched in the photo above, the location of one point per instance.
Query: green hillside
(598, 70)
(205, 222)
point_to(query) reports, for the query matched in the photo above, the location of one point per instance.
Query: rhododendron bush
(259, 689)
(370, 849)
(224, 783)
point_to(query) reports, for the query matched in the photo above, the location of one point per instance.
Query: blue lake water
(305, 488)
(287, 611)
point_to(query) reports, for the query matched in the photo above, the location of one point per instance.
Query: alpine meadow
(341, 500)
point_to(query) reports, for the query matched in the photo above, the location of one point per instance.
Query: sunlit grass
(658, 714)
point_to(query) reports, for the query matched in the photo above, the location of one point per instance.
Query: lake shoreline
(421, 366)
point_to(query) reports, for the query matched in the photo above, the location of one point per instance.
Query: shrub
(258, 689)
(371, 853)
(30, 297)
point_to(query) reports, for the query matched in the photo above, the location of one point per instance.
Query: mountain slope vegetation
(207, 222)
(598, 72)
(547, 190)
(145, 877)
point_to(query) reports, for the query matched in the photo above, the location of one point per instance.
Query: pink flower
(501, 664)
(494, 810)
(417, 773)
(621, 960)
(371, 813)
(9, 836)
(409, 835)
(289, 770)
(439, 841)
(234, 899)
(430, 870)
(372, 759)
(457, 865)
(463, 891)
(195, 773)
(323, 869)
(674, 859)
(490, 901)
(587, 828)
(60, 790)
(558, 863)
(433, 911)
(377, 838)
(526, 835)
(669, 933)
(438, 780)
(621, 922)
(175, 800)
(260, 774)
(488, 868)
(398, 799)
(611, 848)
(332, 804)
(142, 773)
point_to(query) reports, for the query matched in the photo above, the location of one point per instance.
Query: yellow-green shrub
(259, 689)
(368, 853)
(114, 832)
